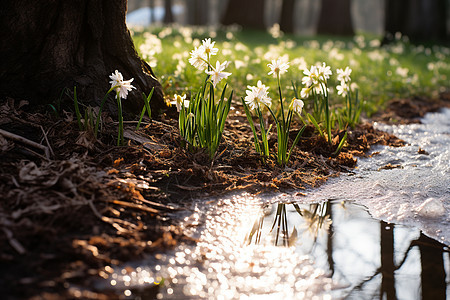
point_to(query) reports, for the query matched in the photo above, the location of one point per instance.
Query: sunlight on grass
(383, 72)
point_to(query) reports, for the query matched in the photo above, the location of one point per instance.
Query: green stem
(281, 100)
(120, 141)
(77, 109)
(327, 112)
(97, 122)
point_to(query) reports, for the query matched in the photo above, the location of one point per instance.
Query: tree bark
(55, 44)
(335, 18)
(287, 16)
(247, 13)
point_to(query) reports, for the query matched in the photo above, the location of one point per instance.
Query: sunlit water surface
(324, 245)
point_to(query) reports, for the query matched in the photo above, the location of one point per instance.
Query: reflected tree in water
(433, 270)
(387, 261)
(318, 217)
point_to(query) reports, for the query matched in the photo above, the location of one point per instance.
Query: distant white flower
(239, 64)
(180, 101)
(121, 86)
(403, 72)
(198, 58)
(343, 89)
(297, 105)
(217, 74)
(275, 31)
(150, 48)
(354, 86)
(208, 47)
(278, 67)
(257, 95)
(344, 75)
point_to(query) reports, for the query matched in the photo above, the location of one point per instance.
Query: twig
(136, 206)
(13, 242)
(26, 141)
(46, 140)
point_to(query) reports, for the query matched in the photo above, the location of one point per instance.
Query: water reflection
(371, 259)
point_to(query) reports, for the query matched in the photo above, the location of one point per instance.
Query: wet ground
(327, 250)
(72, 213)
(290, 246)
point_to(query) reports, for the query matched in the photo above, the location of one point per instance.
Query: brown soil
(69, 214)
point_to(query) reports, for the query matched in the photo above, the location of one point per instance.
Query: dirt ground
(72, 205)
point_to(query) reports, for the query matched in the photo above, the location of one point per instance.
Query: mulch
(72, 205)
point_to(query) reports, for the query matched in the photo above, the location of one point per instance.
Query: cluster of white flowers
(257, 95)
(121, 86)
(315, 79)
(200, 59)
(344, 77)
(150, 48)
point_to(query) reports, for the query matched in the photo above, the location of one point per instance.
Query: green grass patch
(381, 72)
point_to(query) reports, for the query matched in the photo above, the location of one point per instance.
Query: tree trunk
(247, 13)
(151, 4)
(197, 11)
(335, 18)
(168, 15)
(287, 16)
(420, 20)
(57, 44)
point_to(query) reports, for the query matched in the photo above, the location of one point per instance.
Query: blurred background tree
(421, 20)
(248, 13)
(335, 18)
(287, 16)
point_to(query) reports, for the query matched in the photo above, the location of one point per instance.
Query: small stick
(46, 140)
(13, 242)
(26, 141)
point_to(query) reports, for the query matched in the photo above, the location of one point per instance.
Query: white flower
(217, 74)
(121, 86)
(343, 89)
(297, 105)
(305, 92)
(278, 67)
(180, 101)
(275, 31)
(263, 91)
(354, 86)
(116, 78)
(344, 75)
(311, 76)
(257, 95)
(403, 72)
(208, 47)
(325, 72)
(198, 59)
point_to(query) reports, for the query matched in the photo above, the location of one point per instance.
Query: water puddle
(327, 250)
(408, 185)
(396, 246)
